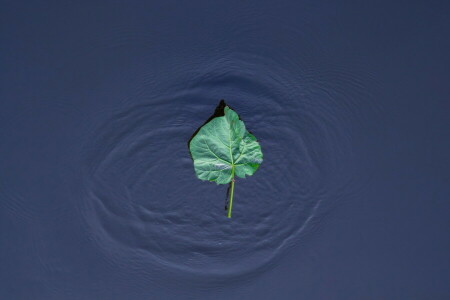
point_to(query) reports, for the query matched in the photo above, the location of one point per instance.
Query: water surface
(349, 101)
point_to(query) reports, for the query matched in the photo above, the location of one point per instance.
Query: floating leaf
(222, 149)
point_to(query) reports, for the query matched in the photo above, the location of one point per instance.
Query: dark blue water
(350, 102)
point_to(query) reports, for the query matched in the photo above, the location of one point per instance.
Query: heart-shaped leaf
(223, 148)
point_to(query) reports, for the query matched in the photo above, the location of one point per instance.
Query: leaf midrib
(229, 139)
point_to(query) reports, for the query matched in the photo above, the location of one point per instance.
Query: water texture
(98, 195)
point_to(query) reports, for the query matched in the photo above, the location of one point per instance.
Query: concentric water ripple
(143, 200)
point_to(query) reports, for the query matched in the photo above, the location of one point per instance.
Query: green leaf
(223, 148)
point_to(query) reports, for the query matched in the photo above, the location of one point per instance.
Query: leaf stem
(230, 206)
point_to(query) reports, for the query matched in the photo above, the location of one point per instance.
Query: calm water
(350, 103)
